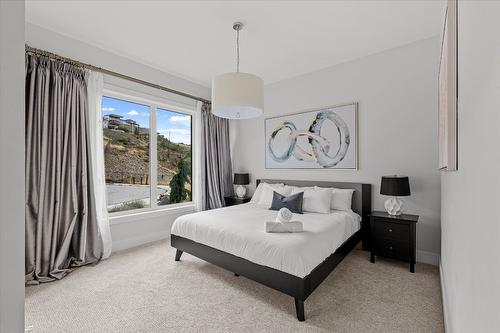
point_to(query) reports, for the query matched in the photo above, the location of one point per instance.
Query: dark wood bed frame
(298, 288)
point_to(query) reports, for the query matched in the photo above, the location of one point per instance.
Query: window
(145, 170)
(174, 157)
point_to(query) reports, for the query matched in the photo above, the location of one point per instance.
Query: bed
(295, 264)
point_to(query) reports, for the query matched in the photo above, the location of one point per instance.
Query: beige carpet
(145, 290)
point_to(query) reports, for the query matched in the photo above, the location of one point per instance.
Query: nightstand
(231, 201)
(393, 237)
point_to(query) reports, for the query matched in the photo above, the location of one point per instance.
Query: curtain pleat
(61, 226)
(217, 169)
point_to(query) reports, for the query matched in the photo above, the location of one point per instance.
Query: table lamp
(241, 179)
(395, 186)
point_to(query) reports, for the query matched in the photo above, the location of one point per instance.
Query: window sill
(132, 216)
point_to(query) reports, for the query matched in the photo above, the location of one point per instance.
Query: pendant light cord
(238, 50)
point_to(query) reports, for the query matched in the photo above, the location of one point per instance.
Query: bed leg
(178, 255)
(299, 307)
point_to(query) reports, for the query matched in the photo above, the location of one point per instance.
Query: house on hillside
(142, 131)
(115, 121)
(112, 121)
(131, 125)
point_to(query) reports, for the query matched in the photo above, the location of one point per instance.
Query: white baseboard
(444, 299)
(139, 240)
(428, 257)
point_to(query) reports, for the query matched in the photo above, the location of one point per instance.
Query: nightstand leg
(372, 257)
(413, 247)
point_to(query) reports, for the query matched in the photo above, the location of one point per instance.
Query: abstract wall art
(326, 138)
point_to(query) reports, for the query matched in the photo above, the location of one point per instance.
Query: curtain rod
(54, 56)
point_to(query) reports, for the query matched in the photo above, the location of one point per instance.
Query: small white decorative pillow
(341, 199)
(316, 199)
(266, 197)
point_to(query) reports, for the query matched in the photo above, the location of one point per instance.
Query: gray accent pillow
(292, 202)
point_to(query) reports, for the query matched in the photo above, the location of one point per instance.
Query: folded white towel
(292, 226)
(284, 215)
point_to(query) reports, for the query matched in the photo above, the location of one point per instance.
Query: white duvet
(240, 230)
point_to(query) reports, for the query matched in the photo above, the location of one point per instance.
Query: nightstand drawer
(392, 248)
(390, 230)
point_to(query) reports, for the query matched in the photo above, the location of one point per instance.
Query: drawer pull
(390, 230)
(390, 247)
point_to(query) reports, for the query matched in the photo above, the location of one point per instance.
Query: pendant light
(237, 95)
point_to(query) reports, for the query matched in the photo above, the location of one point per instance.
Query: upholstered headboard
(361, 200)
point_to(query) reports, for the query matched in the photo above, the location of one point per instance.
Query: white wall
(470, 244)
(141, 228)
(12, 166)
(57, 42)
(397, 95)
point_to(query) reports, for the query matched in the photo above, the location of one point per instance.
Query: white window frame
(156, 102)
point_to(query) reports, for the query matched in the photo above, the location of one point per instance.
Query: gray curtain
(61, 224)
(216, 169)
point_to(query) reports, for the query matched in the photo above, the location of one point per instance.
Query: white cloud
(179, 135)
(182, 131)
(132, 113)
(183, 120)
(108, 109)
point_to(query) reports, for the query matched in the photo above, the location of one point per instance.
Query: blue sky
(168, 123)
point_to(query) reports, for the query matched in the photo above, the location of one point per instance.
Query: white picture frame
(448, 92)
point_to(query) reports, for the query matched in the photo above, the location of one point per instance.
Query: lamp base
(394, 206)
(241, 191)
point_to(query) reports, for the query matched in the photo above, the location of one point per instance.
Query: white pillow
(266, 196)
(258, 192)
(297, 189)
(341, 199)
(316, 199)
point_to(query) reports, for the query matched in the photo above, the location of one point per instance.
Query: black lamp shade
(397, 186)
(241, 179)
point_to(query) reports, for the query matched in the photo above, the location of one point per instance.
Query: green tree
(178, 190)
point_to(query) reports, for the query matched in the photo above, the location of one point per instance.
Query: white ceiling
(281, 39)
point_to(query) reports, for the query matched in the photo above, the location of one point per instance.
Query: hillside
(127, 157)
